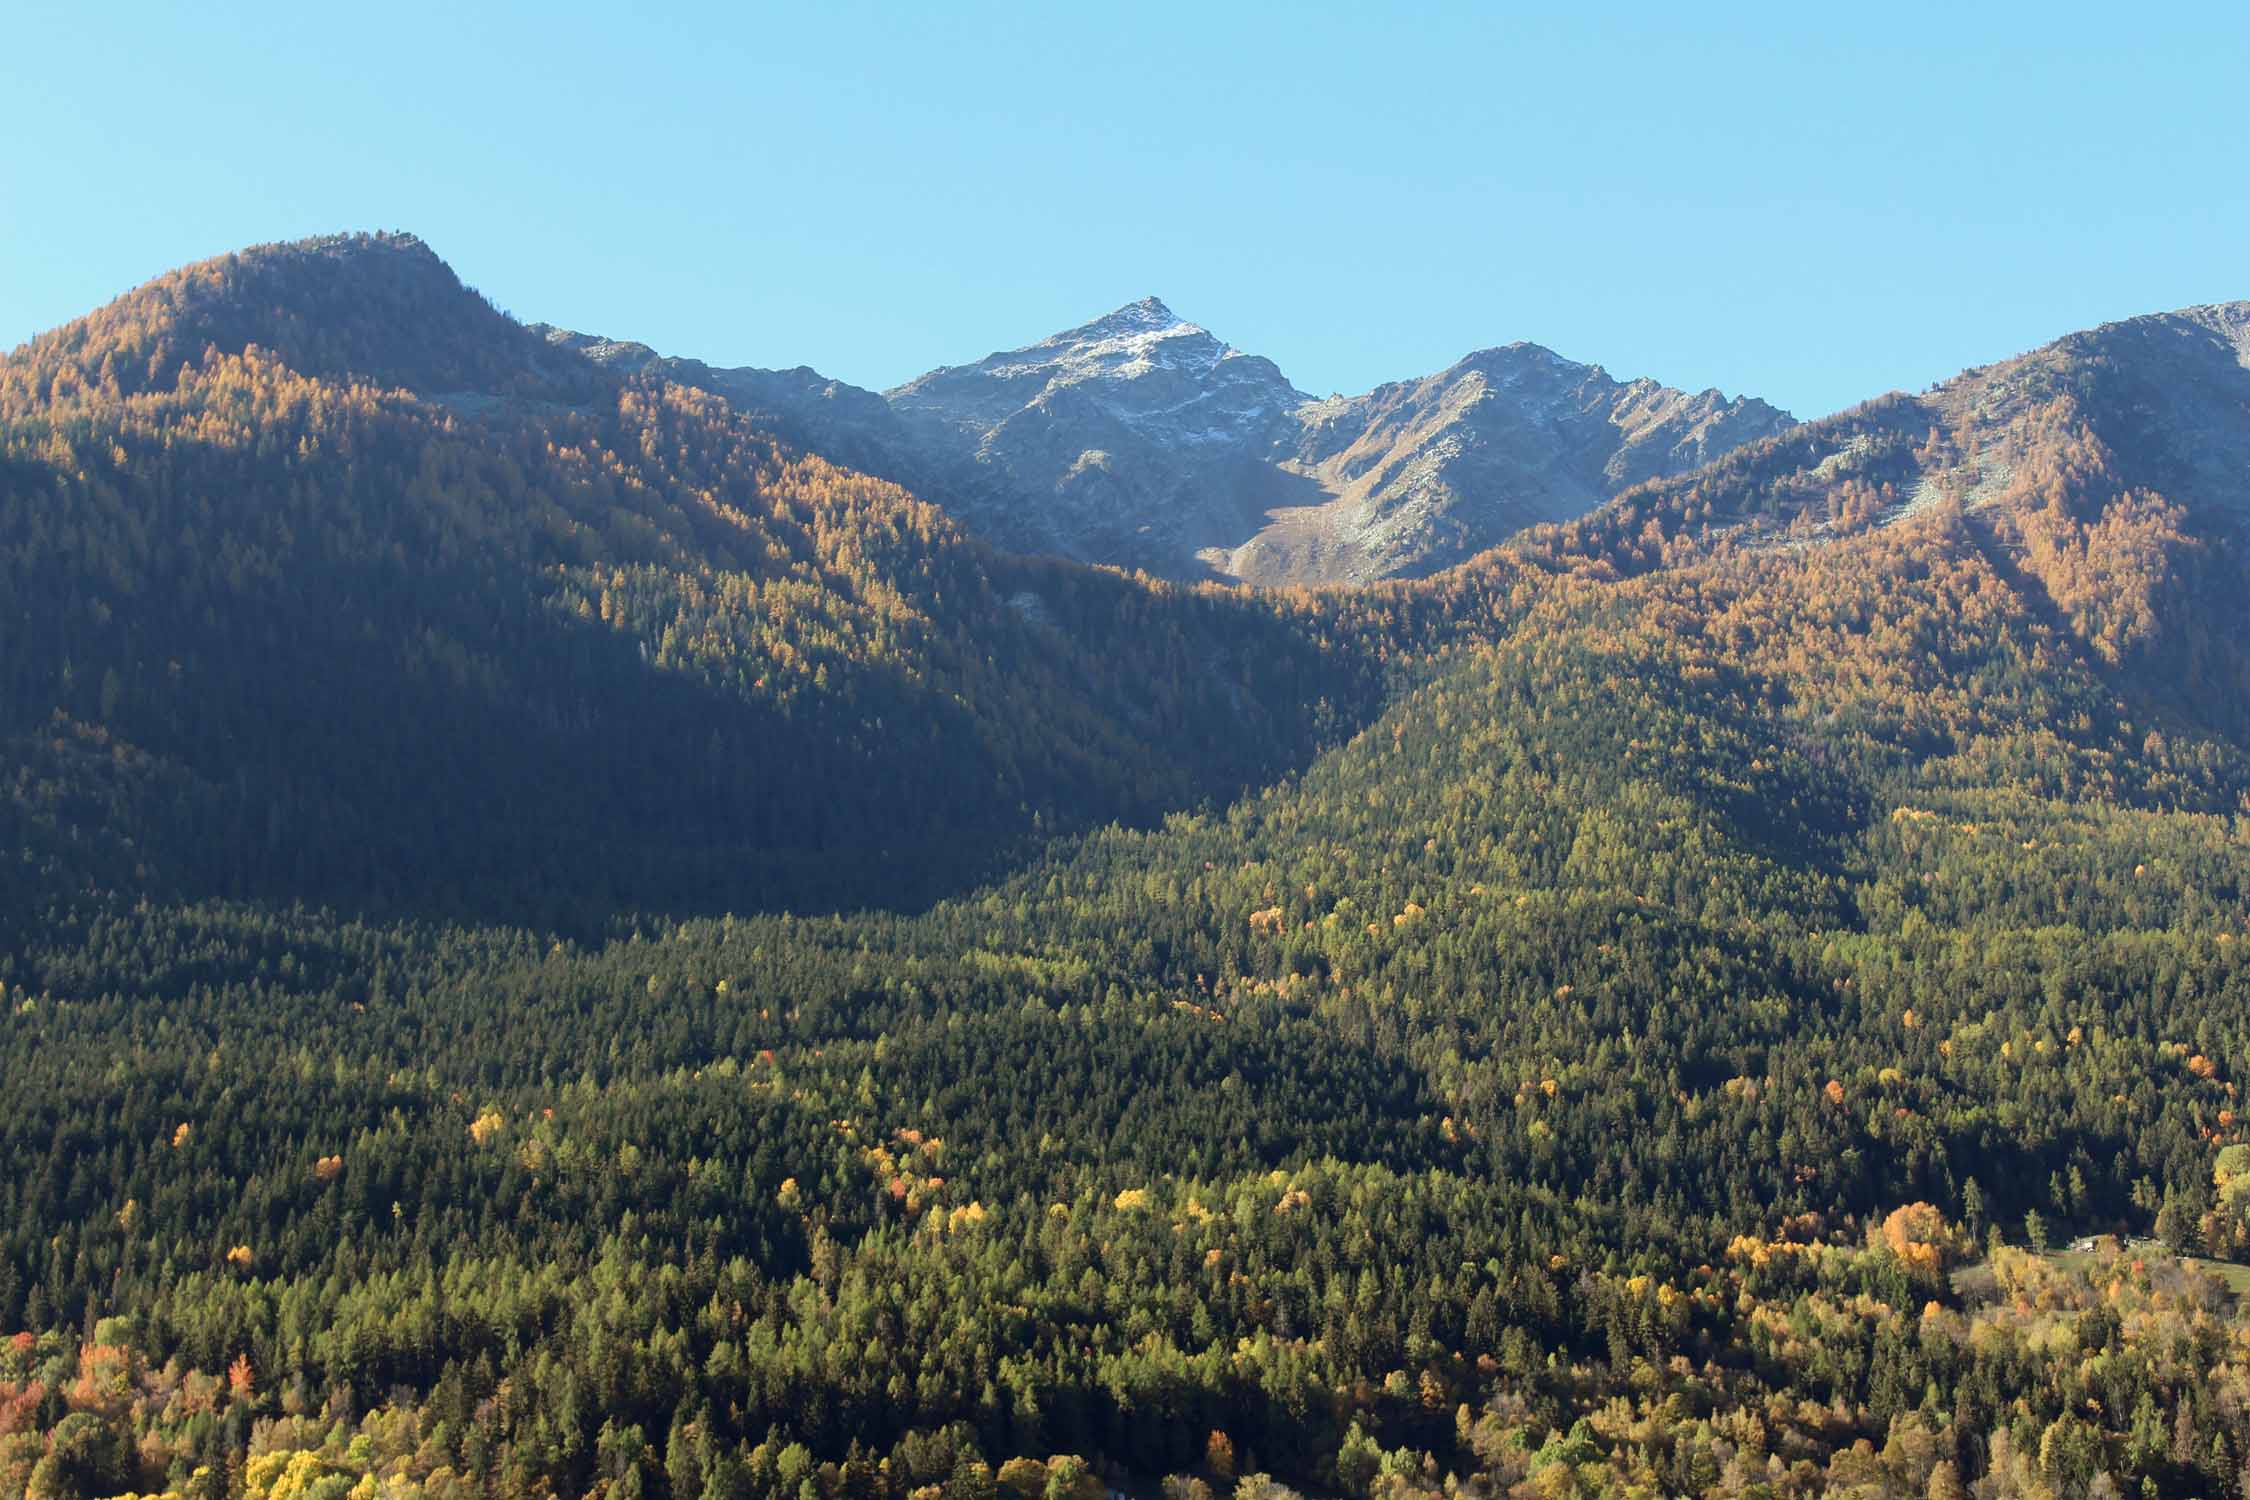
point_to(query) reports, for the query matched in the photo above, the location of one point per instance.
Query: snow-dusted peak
(1140, 361)
(1138, 339)
(1149, 315)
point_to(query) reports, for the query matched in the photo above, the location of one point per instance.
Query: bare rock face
(1137, 439)
(1142, 440)
(1423, 473)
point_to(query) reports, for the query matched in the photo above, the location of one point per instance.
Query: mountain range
(1141, 440)
(525, 538)
(576, 924)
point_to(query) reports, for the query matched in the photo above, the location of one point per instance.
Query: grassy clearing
(1972, 1280)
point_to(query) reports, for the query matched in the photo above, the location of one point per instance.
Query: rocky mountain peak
(1519, 354)
(1143, 344)
(1141, 364)
(1149, 315)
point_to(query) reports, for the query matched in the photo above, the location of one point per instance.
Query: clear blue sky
(1772, 199)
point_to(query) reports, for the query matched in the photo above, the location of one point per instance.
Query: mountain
(1136, 439)
(1142, 440)
(2157, 404)
(2106, 476)
(326, 581)
(1425, 473)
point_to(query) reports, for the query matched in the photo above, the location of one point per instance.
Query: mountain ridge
(1139, 438)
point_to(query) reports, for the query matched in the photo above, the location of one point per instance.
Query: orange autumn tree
(1919, 1236)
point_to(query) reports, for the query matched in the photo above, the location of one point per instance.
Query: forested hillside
(557, 947)
(2104, 476)
(323, 581)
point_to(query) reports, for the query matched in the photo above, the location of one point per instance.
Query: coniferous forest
(554, 944)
